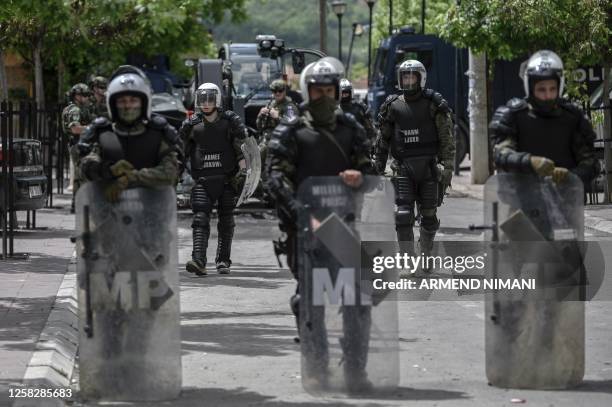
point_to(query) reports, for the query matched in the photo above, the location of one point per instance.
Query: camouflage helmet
(98, 82)
(79, 89)
(278, 84)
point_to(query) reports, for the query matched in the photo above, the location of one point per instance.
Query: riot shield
(535, 337)
(348, 332)
(129, 333)
(252, 157)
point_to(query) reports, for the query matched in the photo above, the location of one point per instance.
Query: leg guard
(428, 203)
(404, 216)
(201, 206)
(356, 326)
(226, 225)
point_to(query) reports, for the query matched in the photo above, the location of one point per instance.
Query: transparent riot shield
(348, 331)
(129, 333)
(252, 157)
(535, 337)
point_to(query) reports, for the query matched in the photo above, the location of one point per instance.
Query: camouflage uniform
(98, 108)
(565, 136)
(418, 133)
(75, 115)
(94, 166)
(287, 110)
(282, 169)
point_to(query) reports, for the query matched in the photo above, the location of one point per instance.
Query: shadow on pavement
(595, 386)
(242, 397)
(246, 339)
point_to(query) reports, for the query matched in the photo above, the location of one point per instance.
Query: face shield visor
(207, 98)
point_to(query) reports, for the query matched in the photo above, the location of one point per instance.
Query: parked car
(29, 179)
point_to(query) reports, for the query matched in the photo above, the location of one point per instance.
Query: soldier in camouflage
(323, 142)
(75, 117)
(544, 133)
(281, 106)
(270, 116)
(356, 108)
(133, 148)
(98, 87)
(416, 127)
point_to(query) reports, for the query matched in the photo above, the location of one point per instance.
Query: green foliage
(95, 36)
(579, 31)
(504, 29)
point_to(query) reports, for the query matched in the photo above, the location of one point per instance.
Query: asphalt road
(238, 348)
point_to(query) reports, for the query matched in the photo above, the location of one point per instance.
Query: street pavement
(237, 330)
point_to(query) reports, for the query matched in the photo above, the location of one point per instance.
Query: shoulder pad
(193, 120)
(516, 104)
(290, 120)
(100, 122)
(571, 107)
(282, 130)
(348, 119)
(437, 99)
(230, 115)
(158, 122)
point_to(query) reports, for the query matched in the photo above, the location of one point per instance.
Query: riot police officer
(416, 127)
(98, 85)
(356, 108)
(324, 141)
(133, 148)
(75, 117)
(212, 139)
(543, 133)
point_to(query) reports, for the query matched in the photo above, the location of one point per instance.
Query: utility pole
(477, 108)
(323, 26)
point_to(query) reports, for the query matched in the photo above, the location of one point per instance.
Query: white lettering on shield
(342, 293)
(129, 290)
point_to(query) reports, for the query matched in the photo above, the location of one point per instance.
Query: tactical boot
(357, 381)
(223, 267)
(405, 237)
(195, 266)
(426, 241)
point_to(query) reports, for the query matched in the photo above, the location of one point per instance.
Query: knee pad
(201, 220)
(404, 217)
(429, 220)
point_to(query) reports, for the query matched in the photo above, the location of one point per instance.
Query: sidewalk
(29, 288)
(598, 217)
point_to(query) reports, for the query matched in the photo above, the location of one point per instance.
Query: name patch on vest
(211, 160)
(410, 135)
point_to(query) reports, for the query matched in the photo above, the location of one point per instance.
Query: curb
(53, 361)
(597, 223)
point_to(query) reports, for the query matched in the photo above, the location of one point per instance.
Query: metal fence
(600, 191)
(24, 120)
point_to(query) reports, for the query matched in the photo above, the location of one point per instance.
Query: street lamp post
(339, 7)
(370, 4)
(357, 31)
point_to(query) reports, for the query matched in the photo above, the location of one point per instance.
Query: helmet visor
(207, 97)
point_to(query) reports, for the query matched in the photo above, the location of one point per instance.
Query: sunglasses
(278, 91)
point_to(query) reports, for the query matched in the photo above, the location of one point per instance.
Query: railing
(24, 120)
